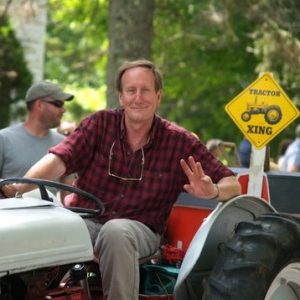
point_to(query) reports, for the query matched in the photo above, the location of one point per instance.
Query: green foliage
(14, 75)
(211, 50)
(76, 52)
(205, 63)
(77, 42)
(208, 50)
(276, 46)
(87, 100)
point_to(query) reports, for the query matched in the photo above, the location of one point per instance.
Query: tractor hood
(35, 233)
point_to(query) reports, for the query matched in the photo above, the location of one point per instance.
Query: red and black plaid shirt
(150, 200)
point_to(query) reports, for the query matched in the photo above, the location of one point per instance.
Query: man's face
(138, 96)
(51, 113)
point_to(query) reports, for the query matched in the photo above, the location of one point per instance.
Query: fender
(215, 229)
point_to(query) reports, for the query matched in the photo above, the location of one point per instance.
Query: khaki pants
(118, 245)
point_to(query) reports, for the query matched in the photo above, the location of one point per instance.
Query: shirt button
(122, 196)
(113, 213)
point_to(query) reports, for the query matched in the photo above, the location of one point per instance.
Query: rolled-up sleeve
(77, 149)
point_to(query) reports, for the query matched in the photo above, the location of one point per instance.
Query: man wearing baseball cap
(47, 91)
(23, 144)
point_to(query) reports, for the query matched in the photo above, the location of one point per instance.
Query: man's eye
(130, 91)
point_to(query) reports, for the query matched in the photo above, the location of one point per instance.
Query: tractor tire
(273, 114)
(248, 263)
(246, 116)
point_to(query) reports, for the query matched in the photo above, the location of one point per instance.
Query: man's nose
(63, 110)
(138, 95)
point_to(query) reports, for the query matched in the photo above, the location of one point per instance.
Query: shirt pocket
(157, 183)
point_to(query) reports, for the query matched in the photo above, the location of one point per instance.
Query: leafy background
(208, 51)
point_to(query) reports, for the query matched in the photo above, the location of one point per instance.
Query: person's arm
(49, 167)
(69, 181)
(201, 186)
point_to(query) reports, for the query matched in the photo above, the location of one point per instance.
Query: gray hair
(143, 63)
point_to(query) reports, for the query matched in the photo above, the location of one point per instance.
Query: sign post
(256, 171)
(261, 111)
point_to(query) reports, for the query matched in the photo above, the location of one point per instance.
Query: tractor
(247, 248)
(240, 249)
(272, 113)
(44, 245)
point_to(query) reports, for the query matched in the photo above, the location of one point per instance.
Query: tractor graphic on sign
(272, 113)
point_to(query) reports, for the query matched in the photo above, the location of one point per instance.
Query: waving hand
(200, 185)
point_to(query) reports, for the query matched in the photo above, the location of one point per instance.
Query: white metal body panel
(35, 233)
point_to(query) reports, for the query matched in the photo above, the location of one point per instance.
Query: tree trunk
(30, 19)
(130, 37)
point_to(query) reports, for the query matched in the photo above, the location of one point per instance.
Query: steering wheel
(41, 183)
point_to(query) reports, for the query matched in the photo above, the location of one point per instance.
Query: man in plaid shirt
(137, 163)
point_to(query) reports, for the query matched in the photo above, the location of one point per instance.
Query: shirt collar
(122, 125)
(153, 130)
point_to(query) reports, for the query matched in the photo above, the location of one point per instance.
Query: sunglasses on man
(56, 103)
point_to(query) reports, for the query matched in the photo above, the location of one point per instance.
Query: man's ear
(159, 94)
(120, 98)
(38, 103)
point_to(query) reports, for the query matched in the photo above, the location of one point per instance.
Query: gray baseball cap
(45, 89)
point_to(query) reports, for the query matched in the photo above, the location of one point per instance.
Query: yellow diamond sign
(262, 110)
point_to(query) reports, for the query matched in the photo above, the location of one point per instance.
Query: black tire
(246, 116)
(273, 114)
(249, 261)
